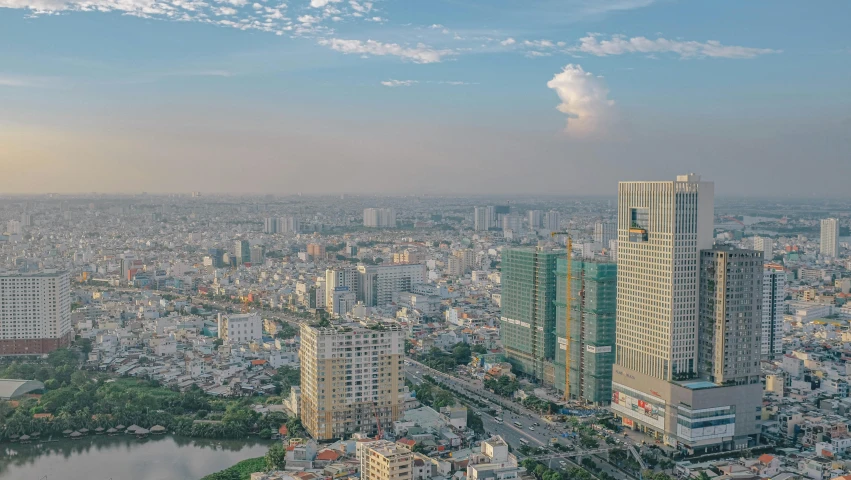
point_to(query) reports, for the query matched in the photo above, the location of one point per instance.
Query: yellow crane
(567, 302)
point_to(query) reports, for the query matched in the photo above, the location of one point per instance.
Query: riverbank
(240, 471)
(125, 457)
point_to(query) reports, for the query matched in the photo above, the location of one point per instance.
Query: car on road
(532, 428)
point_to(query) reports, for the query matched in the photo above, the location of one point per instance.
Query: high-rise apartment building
(657, 382)
(35, 312)
(730, 315)
(535, 218)
(257, 254)
(552, 221)
(830, 237)
(270, 225)
(378, 283)
(340, 277)
(482, 218)
(350, 375)
(242, 251)
(593, 302)
(379, 217)
(528, 320)
(289, 224)
(409, 256)
(511, 222)
(764, 245)
(386, 460)
(316, 250)
(773, 309)
(603, 232)
(217, 256)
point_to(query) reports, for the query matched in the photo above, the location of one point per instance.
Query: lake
(124, 458)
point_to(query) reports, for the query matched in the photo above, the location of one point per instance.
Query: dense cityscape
(659, 331)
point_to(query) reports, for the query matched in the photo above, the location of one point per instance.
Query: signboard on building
(594, 349)
(638, 406)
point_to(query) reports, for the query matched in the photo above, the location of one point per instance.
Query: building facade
(379, 217)
(830, 237)
(656, 383)
(242, 252)
(603, 232)
(730, 332)
(241, 328)
(379, 283)
(351, 375)
(773, 310)
(482, 218)
(528, 319)
(35, 312)
(385, 460)
(592, 329)
(764, 245)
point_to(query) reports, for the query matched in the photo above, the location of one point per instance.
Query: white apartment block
(604, 232)
(35, 312)
(379, 217)
(494, 462)
(378, 283)
(764, 245)
(241, 328)
(773, 310)
(482, 218)
(830, 237)
(340, 277)
(351, 375)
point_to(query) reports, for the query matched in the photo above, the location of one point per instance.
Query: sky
(443, 97)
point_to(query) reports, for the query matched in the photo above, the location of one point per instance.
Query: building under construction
(593, 299)
(528, 320)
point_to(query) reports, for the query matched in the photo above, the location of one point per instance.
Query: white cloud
(309, 19)
(399, 83)
(24, 81)
(508, 41)
(535, 53)
(322, 3)
(538, 43)
(419, 54)
(225, 11)
(584, 99)
(620, 45)
(364, 7)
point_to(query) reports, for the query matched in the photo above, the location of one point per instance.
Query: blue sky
(105, 94)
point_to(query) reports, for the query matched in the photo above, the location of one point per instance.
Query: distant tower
(830, 237)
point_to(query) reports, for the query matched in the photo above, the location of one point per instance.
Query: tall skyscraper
(730, 315)
(482, 218)
(536, 217)
(35, 312)
(289, 224)
(592, 329)
(603, 232)
(528, 320)
(350, 375)
(659, 385)
(764, 245)
(773, 300)
(217, 256)
(379, 217)
(242, 251)
(258, 254)
(830, 237)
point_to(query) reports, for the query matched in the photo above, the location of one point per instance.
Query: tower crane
(567, 302)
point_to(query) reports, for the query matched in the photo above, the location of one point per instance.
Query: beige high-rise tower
(351, 374)
(659, 385)
(662, 226)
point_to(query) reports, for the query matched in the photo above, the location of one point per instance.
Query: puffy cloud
(508, 41)
(584, 99)
(398, 83)
(620, 44)
(419, 54)
(322, 3)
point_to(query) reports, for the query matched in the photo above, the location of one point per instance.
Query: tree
(480, 349)
(461, 353)
(85, 345)
(276, 457)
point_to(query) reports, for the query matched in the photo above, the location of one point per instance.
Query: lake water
(124, 458)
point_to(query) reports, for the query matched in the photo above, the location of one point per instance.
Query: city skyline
(259, 97)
